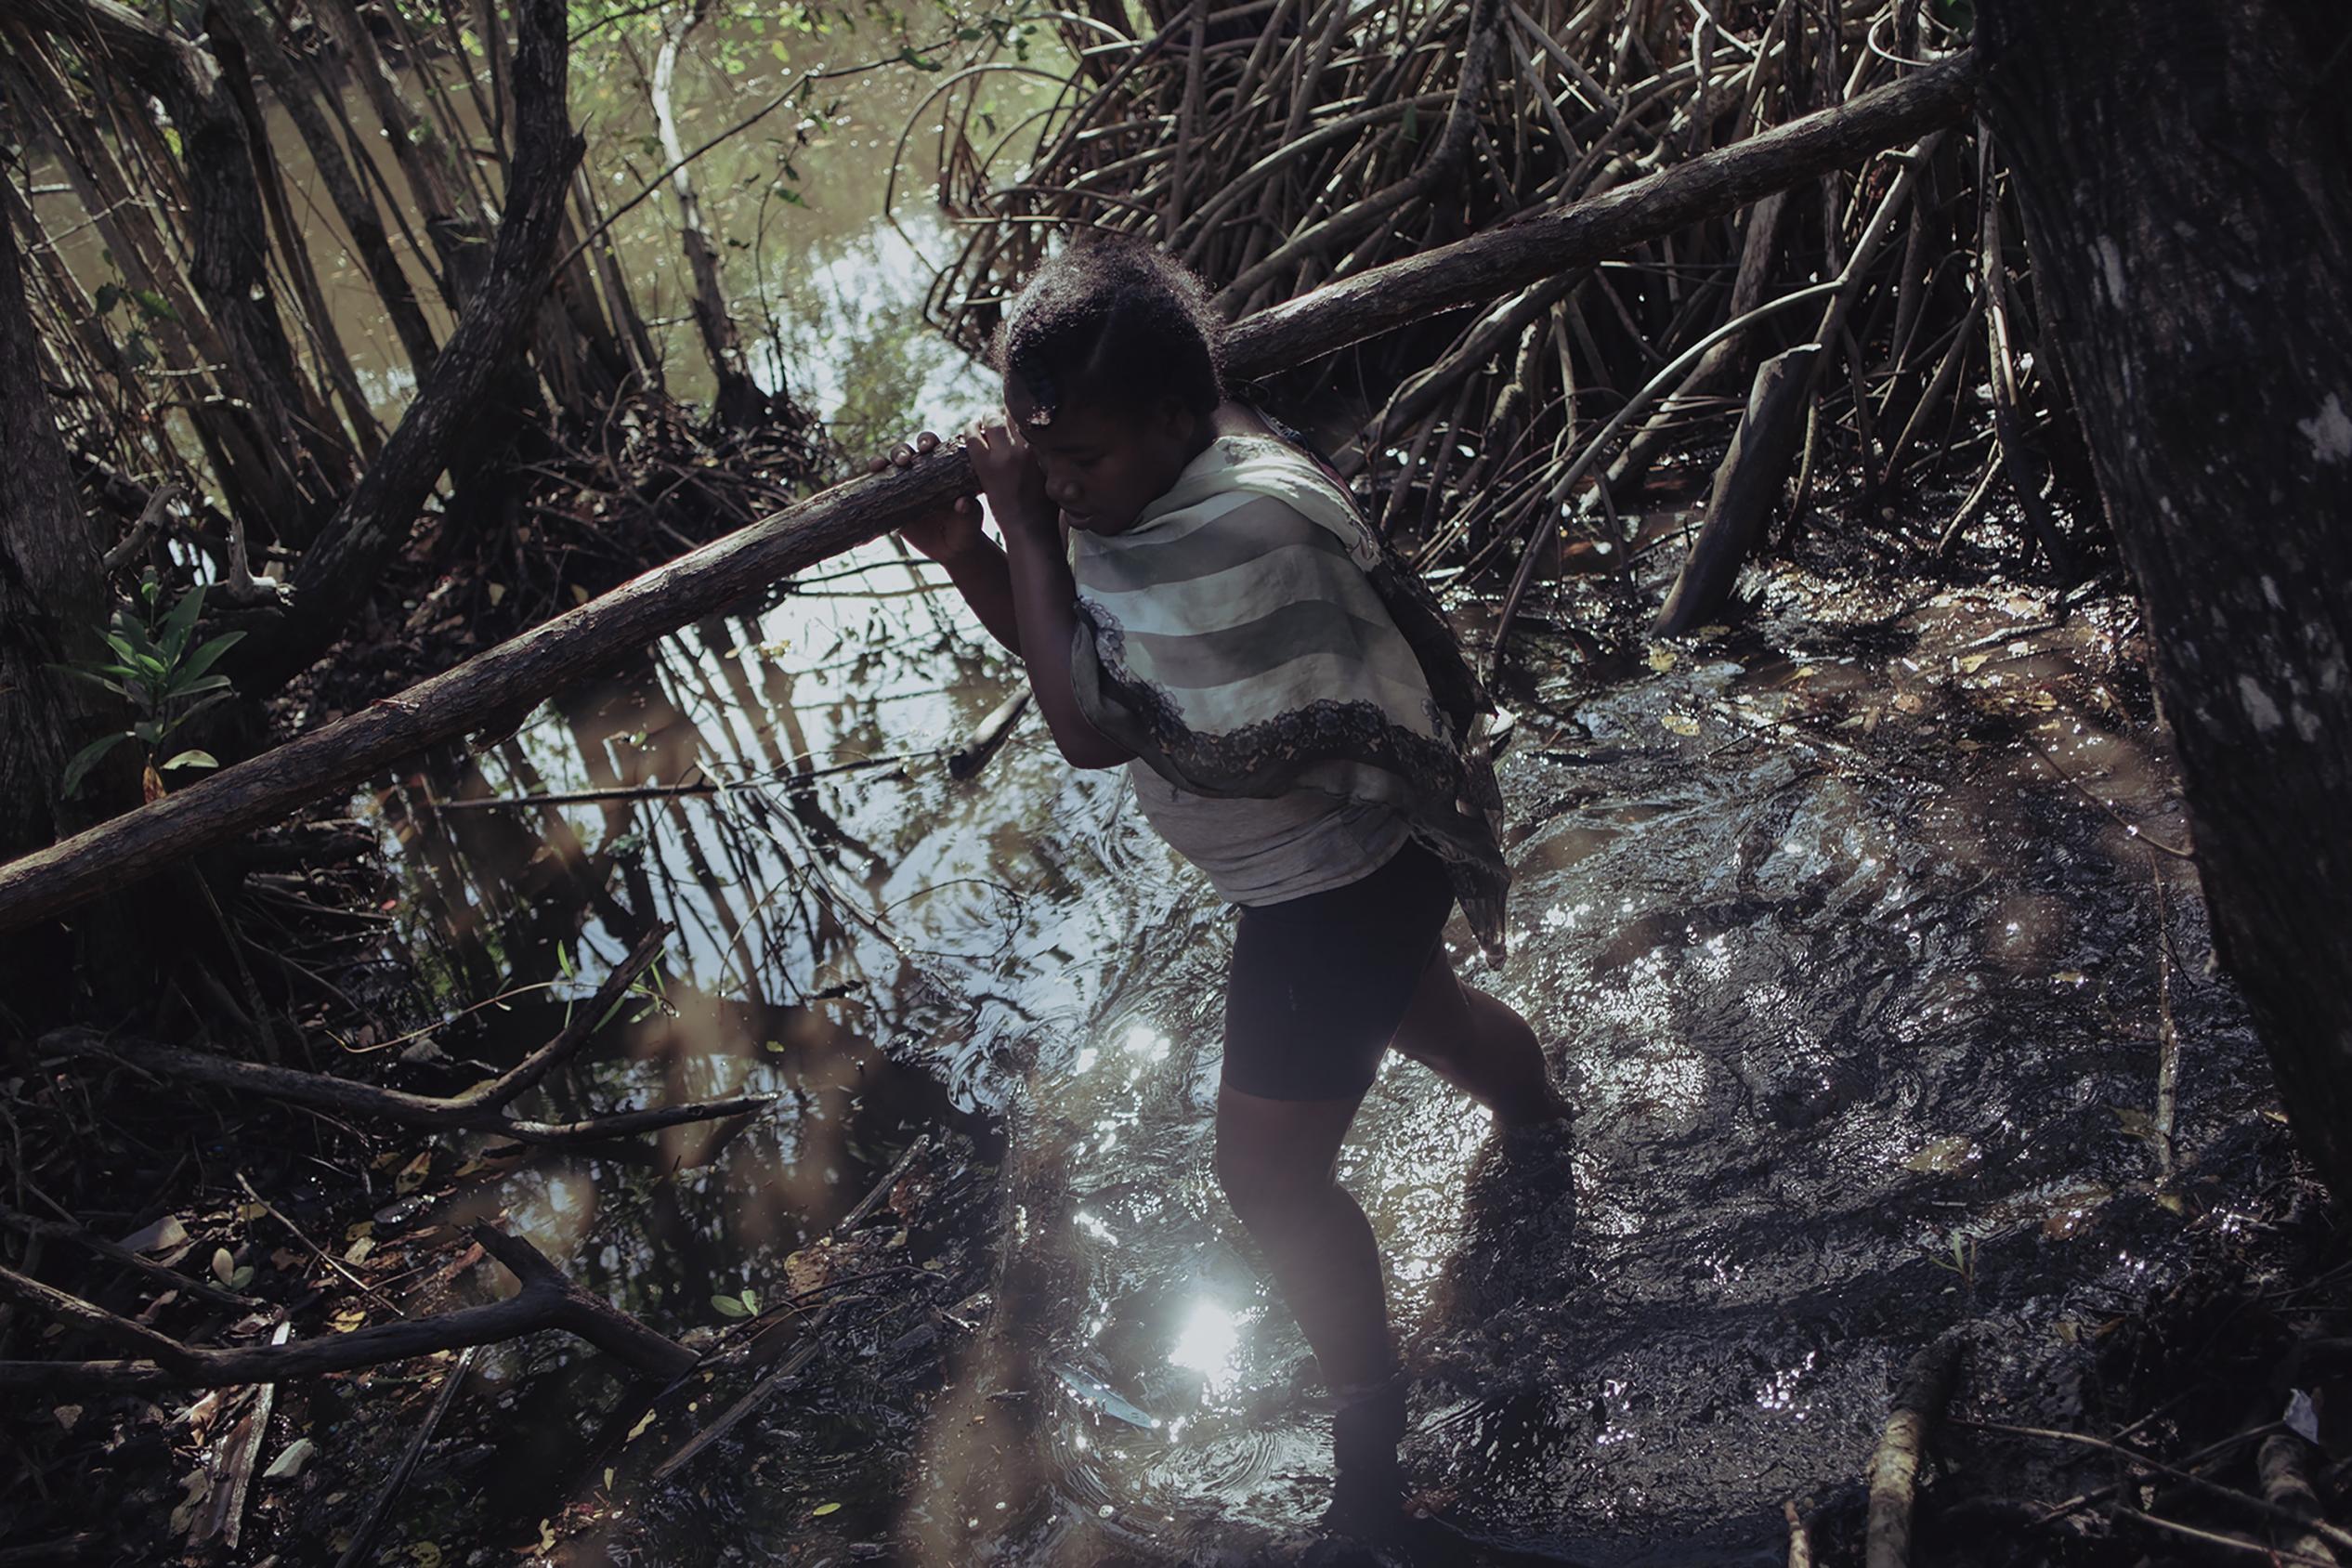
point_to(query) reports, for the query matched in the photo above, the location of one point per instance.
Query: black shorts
(1319, 984)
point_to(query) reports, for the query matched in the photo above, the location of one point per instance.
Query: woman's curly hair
(1123, 320)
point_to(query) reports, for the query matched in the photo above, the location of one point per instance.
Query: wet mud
(1853, 932)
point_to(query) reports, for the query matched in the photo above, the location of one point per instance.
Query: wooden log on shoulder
(520, 673)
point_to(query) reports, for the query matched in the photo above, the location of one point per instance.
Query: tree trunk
(229, 242)
(339, 571)
(52, 608)
(2183, 172)
(740, 404)
(244, 20)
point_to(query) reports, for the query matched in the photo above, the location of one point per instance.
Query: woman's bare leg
(1479, 1045)
(1277, 1161)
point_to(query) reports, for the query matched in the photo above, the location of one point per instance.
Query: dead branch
(364, 1538)
(479, 1109)
(162, 1275)
(547, 1299)
(2299, 1526)
(1894, 1468)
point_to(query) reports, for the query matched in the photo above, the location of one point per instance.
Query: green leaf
(729, 1306)
(208, 653)
(93, 675)
(192, 759)
(149, 730)
(224, 1265)
(751, 1300)
(180, 624)
(108, 295)
(197, 688)
(87, 758)
(821, 1510)
(154, 307)
(193, 709)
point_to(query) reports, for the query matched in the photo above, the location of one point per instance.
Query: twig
(2269, 1506)
(759, 1392)
(2167, 1032)
(2234, 1543)
(240, 1450)
(2133, 828)
(666, 791)
(547, 1300)
(161, 1274)
(481, 1109)
(364, 1536)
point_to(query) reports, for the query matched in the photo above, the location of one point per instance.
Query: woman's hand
(1009, 473)
(951, 530)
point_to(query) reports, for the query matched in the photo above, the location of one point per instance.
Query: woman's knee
(1262, 1184)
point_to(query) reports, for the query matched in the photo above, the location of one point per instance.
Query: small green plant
(1961, 1260)
(745, 1303)
(165, 674)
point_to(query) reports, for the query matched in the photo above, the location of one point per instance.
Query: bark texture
(52, 592)
(2183, 172)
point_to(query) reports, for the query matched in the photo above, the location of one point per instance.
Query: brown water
(1859, 1003)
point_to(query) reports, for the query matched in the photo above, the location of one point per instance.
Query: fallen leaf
(161, 1236)
(821, 1510)
(1681, 724)
(288, 1465)
(345, 1319)
(1662, 658)
(638, 1431)
(412, 1174)
(67, 1415)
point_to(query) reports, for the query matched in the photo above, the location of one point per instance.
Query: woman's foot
(1367, 1485)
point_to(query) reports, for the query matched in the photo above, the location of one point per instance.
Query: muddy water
(1842, 930)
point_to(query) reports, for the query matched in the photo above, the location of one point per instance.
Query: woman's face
(1105, 461)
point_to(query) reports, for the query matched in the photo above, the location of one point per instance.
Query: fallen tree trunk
(547, 1300)
(516, 674)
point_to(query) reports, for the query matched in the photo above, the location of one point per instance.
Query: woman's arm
(1044, 596)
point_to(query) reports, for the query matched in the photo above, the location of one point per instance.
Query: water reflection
(1807, 996)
